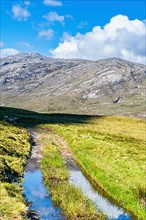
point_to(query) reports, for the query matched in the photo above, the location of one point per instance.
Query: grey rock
(39, 83)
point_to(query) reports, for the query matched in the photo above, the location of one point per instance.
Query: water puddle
(35, 191)
(39, 197)
(103, 205)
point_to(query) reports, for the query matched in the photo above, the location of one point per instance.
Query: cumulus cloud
(53, 2)
(48, 34)
(20, 13)
(8, 52)
(121, 37)
(53, 17)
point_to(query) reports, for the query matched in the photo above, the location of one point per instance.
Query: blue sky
(72, 29)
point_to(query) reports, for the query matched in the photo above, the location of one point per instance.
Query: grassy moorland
(71, 200)
(73, 203)
(111, 151)
(14, 151)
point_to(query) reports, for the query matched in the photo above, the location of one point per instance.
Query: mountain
(43, 84)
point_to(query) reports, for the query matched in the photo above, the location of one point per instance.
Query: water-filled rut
(103, 205)
(40, 198)
(35, 191)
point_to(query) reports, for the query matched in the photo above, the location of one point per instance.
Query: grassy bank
(14, 151)
(65, 195)
(112, 152)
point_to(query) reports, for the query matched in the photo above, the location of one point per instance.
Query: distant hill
(38, 83)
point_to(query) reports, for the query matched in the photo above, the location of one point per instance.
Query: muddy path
(41, 205)
(77, 178)
(40, 198)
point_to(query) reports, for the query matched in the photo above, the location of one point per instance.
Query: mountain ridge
(22, 54)
(45, 84)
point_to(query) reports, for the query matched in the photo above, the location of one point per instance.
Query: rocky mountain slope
(39, 83)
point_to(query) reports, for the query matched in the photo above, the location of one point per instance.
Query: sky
(74, 29)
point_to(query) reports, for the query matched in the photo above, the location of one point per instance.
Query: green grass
(65, 195)
(14, 151)
(111, 151)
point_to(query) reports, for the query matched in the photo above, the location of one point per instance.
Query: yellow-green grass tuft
(14, 151)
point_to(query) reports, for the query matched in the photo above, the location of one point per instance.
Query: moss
(14, 151)
(13, 205)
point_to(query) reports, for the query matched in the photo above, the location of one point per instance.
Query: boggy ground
(15, 150)
(73, 203)
(111, 152)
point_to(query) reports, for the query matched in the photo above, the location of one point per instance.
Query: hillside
(38, 83)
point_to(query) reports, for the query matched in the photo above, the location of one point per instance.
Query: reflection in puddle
(110, 210)
(41, 202)
(36, 192)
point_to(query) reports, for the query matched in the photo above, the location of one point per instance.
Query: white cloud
(46, 33)
(20, 13)
(52, 2)
(25, 44)
(69, 16)
(2, 43)
(121, 37)
(65, 36)
(82, 24)
(8, 52)
(27, 3)
(53, 17)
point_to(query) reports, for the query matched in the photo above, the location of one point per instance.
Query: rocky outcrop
(109, 86)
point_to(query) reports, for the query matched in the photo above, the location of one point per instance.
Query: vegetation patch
(65, 195)
(111, 150)
(14, 151)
